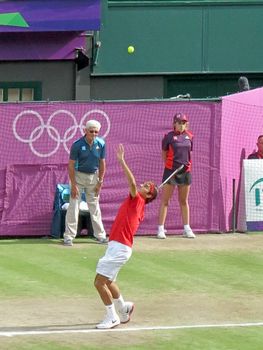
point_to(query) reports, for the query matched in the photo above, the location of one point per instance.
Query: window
(27, 94)
(20, 91)
(13, 95)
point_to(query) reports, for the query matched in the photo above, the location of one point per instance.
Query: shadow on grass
(45, 240)
(46, 328)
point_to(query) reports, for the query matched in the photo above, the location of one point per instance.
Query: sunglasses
(93, 132)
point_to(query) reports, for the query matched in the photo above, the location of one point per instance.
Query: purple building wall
(40, 46)
(45, 30)
(49, 15)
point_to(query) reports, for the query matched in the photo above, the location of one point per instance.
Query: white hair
(93, 124)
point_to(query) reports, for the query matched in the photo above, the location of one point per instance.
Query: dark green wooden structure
(197, 46)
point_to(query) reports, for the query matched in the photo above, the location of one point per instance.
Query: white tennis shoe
(125, 313)
(161, 234)
(108, 323)
(68, 242)
(188, 234)
(101, 238)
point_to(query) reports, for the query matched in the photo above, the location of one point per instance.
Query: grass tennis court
(189, 294)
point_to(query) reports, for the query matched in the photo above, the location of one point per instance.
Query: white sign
(251, 193)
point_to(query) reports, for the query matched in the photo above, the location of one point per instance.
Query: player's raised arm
(127, 171)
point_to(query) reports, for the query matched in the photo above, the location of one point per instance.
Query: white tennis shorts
(116, 255)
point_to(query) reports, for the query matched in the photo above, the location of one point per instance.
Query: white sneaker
(101, 238)
(68, 242)
(108, 323)
(125, 314)
(161, 234)
(188, 234)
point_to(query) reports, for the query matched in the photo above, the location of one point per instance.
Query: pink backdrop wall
(36, 137)
(242, 123)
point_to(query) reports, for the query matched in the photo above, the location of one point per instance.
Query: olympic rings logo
(52, 132)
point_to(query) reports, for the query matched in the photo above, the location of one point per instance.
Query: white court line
(133, 329)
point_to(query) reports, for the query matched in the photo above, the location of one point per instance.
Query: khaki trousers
(85, 182)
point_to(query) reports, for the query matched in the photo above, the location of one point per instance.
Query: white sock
(119, 303)
(111, 312)
(187, 228)
(161, 228)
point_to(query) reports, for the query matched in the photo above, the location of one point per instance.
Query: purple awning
(40, 46)
(49, 15)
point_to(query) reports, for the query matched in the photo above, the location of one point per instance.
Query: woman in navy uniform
(177, 146)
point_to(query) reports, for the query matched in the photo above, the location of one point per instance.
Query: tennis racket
(170, 176)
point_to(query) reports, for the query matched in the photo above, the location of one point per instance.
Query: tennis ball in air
(131, 49)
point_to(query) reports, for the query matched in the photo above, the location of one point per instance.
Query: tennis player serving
(119, 250)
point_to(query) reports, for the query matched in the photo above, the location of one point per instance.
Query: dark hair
(260, 137)
(154, 192)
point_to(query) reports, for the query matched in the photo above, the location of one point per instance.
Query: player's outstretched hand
(120, 153)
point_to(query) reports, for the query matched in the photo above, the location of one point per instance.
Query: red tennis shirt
(128, 219)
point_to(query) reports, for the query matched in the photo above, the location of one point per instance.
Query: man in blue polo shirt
(86, 169)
